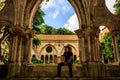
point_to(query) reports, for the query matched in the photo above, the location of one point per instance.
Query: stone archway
(50, 51)
(17, 15)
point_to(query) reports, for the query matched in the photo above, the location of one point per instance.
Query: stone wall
(48, 71)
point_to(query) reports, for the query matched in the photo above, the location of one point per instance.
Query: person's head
(67, 48)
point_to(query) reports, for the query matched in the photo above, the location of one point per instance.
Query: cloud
(72, 23)
(110, 4)
(61, 1)
(55, 14)
(65, 9)
(63, 6)
(47, 5)
(60, 5)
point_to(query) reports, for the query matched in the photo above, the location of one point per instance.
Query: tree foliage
(117, 7)
(37, 23)
(46, 29)
(106, 46)
(36, 41)
(38, 19)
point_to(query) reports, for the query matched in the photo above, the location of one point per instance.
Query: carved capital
(80, 32)
(92, 32)
(21, 31)
(114, 32)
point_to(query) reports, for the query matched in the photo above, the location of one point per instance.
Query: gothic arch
(73, 49)
(43, 48)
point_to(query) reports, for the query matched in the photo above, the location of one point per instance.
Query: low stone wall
(113, 70)
(94, 70)
(48, 71)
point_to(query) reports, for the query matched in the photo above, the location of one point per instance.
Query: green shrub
(36, 61)
(76, 61)
(40, 61)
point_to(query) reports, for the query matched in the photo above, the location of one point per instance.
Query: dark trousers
(69, 64)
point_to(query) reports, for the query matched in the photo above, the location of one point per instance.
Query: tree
(64, 31)
(36, 41)
(46, 29)
(49, 29)
(38, 20)
(37, 23)
(117, 7)
(106, 47)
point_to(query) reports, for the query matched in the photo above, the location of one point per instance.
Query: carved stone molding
(21, 31)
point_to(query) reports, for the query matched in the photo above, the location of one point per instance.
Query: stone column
(48, 58)
(44, 59)
(97, 46)
(91, 34)
(115, 46)
(98, 49)
(53, 59)
(20, 53)
(82, 48)
(89, 44)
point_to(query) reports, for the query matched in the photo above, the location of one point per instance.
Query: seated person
(66, 60)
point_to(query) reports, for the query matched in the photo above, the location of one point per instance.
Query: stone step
(66, 78)
(45, 79)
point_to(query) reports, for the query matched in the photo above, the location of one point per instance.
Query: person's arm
(71, 57)
(63, 58)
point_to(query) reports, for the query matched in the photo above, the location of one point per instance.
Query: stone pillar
(48, 58)
(115, 46)
(92, 35)
(89, 44)
(90, 53)
(20, 49)
(90, 48)
(97, 48)
(44, 59)
(53, 59)
(82, 49)
(94, 49)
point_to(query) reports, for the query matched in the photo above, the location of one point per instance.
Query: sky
(60, 13)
